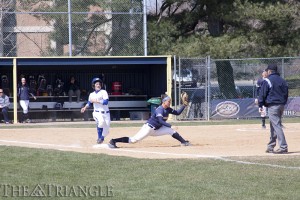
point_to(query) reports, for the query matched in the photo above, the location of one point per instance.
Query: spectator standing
(4, 103)
(24, 93)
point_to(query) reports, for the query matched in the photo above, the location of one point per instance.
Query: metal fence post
(15, 88)
(174, 85)
(179, 81)
(145, 27)
(208, 88)
(282, 67)
(70, 27)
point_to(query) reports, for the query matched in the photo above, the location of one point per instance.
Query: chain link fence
(191, 76)
(81, 28)
(227, 88)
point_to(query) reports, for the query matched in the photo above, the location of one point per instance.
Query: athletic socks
(122, 139)
(178, 137)
(263, 120)
(99, 131)
(126, 139)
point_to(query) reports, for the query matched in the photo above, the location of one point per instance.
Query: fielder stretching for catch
(99, 99)
(156, 126)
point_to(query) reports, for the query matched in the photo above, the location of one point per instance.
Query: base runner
(99, 99)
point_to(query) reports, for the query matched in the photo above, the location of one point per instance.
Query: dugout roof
(63, 61)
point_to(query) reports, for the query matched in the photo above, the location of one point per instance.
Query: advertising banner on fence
(246, 108)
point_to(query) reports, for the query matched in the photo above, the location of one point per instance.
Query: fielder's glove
(184, 98)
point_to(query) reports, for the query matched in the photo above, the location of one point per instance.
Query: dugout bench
(120, 106)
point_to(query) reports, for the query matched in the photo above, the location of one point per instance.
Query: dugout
(141, 78)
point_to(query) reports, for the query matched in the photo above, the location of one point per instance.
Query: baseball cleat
(280, 151)
(99, 141)
(263, 127)
(112, 144)
(186, 143)
(269, 150)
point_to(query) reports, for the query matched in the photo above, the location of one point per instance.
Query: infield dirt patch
(207, 141)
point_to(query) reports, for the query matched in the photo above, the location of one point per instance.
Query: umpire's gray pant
(275, 114)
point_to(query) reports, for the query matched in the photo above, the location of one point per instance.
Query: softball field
(208, 141)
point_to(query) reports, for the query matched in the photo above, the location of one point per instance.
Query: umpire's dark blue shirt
(274, 91)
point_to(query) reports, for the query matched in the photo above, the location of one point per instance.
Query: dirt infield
(208, 141)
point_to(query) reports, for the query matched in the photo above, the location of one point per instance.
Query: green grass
(131, 178)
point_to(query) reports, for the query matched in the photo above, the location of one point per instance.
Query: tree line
(225, 28)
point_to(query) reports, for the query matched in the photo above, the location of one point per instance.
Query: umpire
(274, 95)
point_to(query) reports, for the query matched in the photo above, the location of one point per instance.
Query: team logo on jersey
(227, 108)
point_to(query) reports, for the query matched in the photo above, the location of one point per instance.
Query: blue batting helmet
(95, 80)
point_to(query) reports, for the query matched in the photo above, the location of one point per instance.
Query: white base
(102, 146)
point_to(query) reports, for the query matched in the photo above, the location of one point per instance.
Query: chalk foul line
(105, 146)
(200, 156)
(41, 144)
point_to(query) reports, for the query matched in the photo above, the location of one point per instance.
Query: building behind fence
(72, 28)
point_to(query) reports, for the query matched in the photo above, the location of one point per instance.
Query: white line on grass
(170, 154)
(158, 153)
(254, 163)
(212, 157)
(41, 144)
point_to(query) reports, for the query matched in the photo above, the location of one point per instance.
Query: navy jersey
(258, 86)
(24, 92)
(159, 118)
(274, 91)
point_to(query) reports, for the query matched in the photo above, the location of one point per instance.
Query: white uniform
(263, 113)
(147, 130)
(101, 112)
(154, 127)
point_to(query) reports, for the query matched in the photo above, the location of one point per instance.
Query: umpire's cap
(272, 67)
